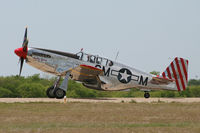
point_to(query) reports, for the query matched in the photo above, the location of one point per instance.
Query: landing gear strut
(146, 94)
(58, 92)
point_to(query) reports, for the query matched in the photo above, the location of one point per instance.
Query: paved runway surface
(102, 100)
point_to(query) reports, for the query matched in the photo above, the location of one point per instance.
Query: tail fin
(178, 71)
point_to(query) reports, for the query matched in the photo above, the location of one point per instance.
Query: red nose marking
(21, 53)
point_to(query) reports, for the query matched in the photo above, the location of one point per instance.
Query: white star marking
(124, 75)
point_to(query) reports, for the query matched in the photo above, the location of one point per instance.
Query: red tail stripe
(175, 76)
(180, 74)
(163, 74)
(168, 73)
(184, 69)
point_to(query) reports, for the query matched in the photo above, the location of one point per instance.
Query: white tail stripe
(182, 72)
(171, 72)
(175, 75)
(178, 75)
(166, 75)
(186, 66)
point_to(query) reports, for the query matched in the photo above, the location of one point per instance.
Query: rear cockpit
(94, 59)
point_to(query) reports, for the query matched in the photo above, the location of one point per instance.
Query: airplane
(99, 73)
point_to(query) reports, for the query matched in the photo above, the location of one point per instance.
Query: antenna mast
(117, 55)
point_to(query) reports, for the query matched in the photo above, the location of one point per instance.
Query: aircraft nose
(19, 52)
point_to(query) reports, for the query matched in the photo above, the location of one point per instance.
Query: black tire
(50, 93)
(59, 93)
(146, 95)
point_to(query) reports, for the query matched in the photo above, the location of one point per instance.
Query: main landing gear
(55, 92)
(146, 94)
(58, 92)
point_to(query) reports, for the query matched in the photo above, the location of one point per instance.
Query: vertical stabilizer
(178, 71)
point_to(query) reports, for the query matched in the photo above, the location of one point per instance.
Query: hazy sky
(147, 33)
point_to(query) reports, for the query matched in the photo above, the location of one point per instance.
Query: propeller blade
(19, 61)
(25, 37)
(21, 65)
(25, 45)
(25, 42)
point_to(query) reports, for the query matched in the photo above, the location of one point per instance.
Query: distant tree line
(34, 86)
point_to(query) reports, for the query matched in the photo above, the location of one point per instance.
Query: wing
(86, 73)
(161, 80)
(89, 70)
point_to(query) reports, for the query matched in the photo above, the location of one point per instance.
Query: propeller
(25, 42)
(21, 65)
(22, 52)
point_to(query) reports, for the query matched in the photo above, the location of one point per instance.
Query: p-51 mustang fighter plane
(100, 73)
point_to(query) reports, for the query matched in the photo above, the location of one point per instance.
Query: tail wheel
(59, 93)
(50, 93)
(146, 95)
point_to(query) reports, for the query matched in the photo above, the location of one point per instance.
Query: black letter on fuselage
(98, 66)
(143, 82)
(106, 73)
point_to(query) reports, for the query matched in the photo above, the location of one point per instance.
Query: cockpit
(94, 59)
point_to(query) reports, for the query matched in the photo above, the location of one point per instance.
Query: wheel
(59, 93)
(50, 93)
(146, 95)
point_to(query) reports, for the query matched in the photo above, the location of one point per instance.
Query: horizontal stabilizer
(161, 80)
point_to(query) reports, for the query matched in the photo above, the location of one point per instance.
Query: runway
(101, 100)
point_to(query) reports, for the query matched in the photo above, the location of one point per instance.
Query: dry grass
(100, 117)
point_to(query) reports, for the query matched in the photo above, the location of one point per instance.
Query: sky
(147, 33)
